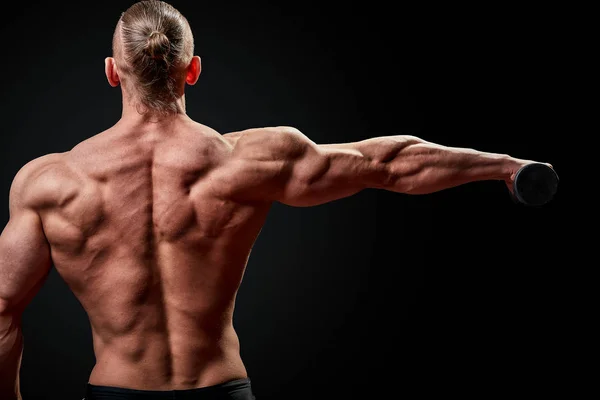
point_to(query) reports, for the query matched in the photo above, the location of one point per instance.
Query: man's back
(143, 229)
(151, 226)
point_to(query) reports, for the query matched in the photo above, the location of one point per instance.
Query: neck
(132, 115)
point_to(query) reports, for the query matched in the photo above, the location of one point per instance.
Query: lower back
(157, 361)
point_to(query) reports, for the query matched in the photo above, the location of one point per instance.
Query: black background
(378, 295)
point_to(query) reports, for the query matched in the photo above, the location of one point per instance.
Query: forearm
(11, 351)
(415, 166)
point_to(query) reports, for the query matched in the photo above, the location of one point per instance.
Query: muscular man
(151, 222)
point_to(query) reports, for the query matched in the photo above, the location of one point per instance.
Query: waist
(233, 389)
(168, 371)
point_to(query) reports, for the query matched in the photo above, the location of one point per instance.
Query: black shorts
(238, 389)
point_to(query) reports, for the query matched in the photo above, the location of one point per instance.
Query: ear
(193, 71)
(110, 68)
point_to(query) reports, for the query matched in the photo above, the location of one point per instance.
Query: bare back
(145, 233)
(151, 226)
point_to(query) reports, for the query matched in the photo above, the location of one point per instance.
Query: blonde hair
(152, 45)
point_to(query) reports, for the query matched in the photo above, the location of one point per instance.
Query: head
(153, 59)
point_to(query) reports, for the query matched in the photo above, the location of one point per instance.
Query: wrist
(510, 166)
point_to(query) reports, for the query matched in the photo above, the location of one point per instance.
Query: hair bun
(158, 45)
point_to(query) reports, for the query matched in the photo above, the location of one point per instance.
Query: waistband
(95, 392)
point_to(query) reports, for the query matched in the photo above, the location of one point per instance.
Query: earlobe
(110, 69)
(193, 71)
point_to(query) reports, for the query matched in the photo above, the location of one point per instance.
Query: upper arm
(25, 259)
(282, 164)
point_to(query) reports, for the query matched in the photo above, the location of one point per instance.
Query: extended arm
(414, 166)
(24, 264)
(286, 166)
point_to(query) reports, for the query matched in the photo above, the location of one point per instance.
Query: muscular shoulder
(41, 182)
(260, 161)
(279, 142)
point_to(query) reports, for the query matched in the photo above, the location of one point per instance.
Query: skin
(151, 223)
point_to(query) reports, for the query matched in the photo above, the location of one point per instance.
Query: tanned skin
(151, 223)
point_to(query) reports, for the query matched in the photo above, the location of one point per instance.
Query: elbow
(388, 149)
(9, 319)
(400, 185)
(404, 178)
(4, 307)
(9, 308)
